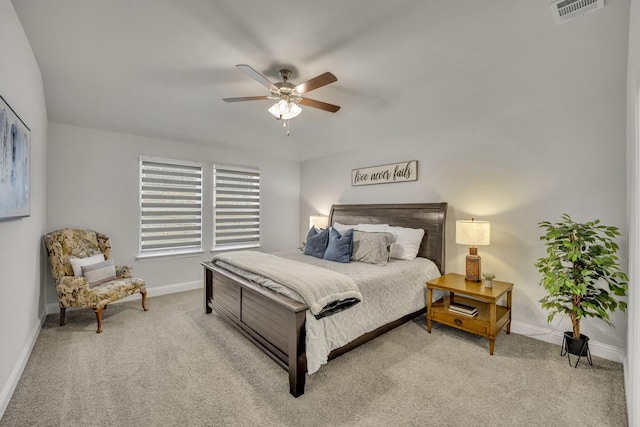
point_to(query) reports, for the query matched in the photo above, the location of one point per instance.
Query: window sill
(168, 255)
(234, 248)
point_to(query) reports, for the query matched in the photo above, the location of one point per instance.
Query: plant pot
(576, 346)
(488, 283)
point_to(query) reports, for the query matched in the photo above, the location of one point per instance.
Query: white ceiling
(160, 68)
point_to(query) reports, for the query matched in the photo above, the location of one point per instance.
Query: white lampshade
(473, 233)
(318, 221)
(283, 110)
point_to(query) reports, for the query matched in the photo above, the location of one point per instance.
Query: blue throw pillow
(340, 247)
(316, 242)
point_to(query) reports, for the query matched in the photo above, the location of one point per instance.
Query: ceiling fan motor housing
(285, 74)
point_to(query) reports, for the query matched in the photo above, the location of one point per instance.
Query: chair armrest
(124, 271)
(71, 291)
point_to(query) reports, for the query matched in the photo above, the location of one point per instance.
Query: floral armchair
(108, 282)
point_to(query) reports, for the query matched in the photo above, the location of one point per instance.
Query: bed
(277, 323)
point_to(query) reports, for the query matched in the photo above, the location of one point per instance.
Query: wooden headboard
(428, 216)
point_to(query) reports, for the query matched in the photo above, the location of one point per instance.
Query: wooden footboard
(273, 322)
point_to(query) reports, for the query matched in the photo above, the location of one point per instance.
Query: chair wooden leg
(144, 300)
(63, 316)
(98, 312)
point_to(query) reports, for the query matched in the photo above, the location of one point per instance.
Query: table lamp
(320, 222)
(473, 233)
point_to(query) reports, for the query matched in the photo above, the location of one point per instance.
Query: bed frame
(276, 323)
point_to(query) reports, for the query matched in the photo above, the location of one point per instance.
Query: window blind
(236, 198)
(170, 206)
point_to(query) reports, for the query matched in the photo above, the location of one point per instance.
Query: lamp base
(473, 266)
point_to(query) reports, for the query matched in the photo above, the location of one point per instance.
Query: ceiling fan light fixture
(294, 110)
(285, 110)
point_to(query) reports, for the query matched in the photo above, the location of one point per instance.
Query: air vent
(567, 10)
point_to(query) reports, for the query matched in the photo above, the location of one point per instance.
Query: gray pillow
(316, 242)
(99, 273)
(372, 248)
(340, 246)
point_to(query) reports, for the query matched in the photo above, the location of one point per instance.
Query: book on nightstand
(465, 309)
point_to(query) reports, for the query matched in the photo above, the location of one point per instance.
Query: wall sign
(395, 172)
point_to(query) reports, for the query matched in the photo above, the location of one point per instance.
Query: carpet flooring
(177, 366)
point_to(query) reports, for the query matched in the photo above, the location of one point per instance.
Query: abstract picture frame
(15, 164)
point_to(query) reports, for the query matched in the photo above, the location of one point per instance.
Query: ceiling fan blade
(256, 76)
(316, 82)
(245, 98)
(319, 104)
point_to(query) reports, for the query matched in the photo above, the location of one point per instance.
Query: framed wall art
(15, 154)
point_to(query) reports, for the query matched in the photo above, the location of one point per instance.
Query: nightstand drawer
(469, 324)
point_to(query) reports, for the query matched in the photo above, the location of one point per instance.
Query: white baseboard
(605, 351)
(151, 292)
(14, 377)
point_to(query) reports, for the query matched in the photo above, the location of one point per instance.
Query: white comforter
(388, 293)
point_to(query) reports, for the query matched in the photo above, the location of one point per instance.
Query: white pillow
(341, 228)
(77, 263)
(407, 242)
(373, 228)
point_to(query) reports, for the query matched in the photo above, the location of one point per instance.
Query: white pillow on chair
(77, 263)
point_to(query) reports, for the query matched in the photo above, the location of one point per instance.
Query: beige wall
(93, 182)
(21, 254)
(514, 171)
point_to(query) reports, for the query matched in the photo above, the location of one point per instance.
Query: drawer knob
(458, 322)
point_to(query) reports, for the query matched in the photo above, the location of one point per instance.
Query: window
(170, 207)
(236, 207)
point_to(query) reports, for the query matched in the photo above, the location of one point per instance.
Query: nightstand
(490, 318)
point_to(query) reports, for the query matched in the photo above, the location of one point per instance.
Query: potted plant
(488, 279)
(582, 276)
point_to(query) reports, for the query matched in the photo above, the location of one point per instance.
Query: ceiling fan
(286, 94)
